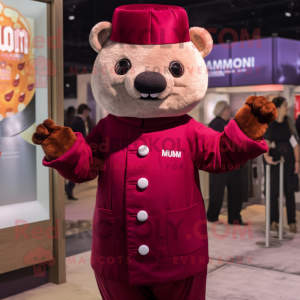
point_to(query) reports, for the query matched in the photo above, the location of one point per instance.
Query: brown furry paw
(253, 118)
(55, 140)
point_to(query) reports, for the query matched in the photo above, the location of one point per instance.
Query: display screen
(216, 63)
(287, 61)
(254, 62)
(17, 89)
(24, 68)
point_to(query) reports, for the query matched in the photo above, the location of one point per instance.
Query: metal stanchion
(267, 243)
(280, 236)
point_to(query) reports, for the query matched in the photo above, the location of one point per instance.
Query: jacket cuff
(69, 159)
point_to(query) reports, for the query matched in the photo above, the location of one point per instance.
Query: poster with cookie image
(16, 62)
(17, 106)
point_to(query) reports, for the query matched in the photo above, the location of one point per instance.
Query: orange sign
(17, 85)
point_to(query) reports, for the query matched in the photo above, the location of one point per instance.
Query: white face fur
(118, 93)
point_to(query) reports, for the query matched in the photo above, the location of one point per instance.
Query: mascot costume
(149, 225)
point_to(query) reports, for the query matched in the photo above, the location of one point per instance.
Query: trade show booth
(269, 67)
(32, 248)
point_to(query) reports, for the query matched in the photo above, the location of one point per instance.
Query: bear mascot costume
(149, 224)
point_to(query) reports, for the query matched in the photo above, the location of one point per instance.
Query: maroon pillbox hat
(150, 24)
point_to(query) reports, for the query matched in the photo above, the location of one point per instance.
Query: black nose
(150, 83)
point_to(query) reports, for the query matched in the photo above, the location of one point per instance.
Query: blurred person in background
(78, 125)
(283, 140)
(70, 116)
(89, 124)
(233, 179)
(298, 125)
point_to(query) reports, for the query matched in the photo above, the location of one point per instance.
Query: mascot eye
(176, 68)
(122, 66)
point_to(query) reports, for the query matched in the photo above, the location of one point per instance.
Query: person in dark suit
(90, 124)
(233, 179)
(282, 134)
(78, 125)
(298, 125)
(70, 116)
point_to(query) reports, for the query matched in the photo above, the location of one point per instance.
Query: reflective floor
(238, 268)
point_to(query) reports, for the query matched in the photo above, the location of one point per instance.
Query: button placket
(142, 183)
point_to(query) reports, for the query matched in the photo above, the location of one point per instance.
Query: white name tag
(293, 141)
(171, 153)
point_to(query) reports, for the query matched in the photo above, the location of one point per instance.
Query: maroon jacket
(166, 216)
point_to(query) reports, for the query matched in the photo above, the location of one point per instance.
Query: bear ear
(202, 40)
(99, 35)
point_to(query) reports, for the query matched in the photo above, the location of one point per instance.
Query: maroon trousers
(191, 288)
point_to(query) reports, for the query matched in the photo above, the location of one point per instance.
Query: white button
(143, 250)
(142, 215)
(142, 183)
(143, 150)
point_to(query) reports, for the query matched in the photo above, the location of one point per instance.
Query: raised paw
(263, 107)
(253, 118)
(43, 131)
(55, 140)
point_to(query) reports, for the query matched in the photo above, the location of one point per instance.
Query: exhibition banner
(254, 62)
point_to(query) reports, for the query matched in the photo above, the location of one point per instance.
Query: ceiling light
(288, 14)
(71, 18)
(67, 85)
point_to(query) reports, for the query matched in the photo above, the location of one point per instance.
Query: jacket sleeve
(217, 152)
(83, 161)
